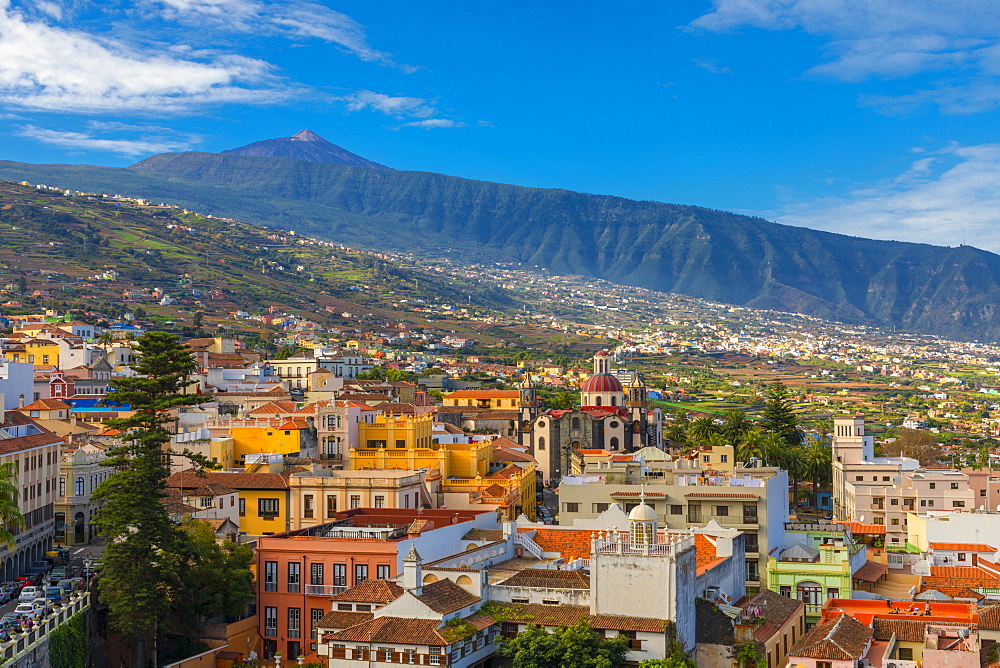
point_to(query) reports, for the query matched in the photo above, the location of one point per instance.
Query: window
(294, 573)
(294, 621)
(270, 576)
(315, 614)
(832, 592)
(676, 509)
(379, 501)
(753, 572)
(345, 607)
(961, 556)
(79, 486)
(541, 441)
(550, 601)
(958, 504)
(633, 643)
(614, 442)
(923, 502)
(706, 458)
(982, 492)
(316, 574)
(878, 520)
(571, 507)
(930, 502)
(518, 599)
(904, 654)
(267, 508)
(751, 544)
(859, 478)
(885, 478)
(383, 572)
(810, 593)
(360, 573)
(243, 507)
(331, 506)
(954, 485)
(270, 622)
(895, 522)
(601, 507)
(722, 511)
(355, 500)
(786, 591)
(749, 513)
(340, 575)
(723, 459)
(933, 485)
(62, 486)
(307, 505)
(385, 654)
(893, 502)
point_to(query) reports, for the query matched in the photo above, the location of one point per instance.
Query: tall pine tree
(142, 562)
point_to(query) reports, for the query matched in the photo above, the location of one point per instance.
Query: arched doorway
(810, 593)
(79, 529)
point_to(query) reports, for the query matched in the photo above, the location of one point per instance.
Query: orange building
(299, 571)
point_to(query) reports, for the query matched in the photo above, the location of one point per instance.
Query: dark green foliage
(145, 555)
(577, 646)
(217, 580)
(779, 418)
(177, 649)
(68, 644)
(668, 247)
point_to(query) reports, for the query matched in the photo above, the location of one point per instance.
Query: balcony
(324, 590)
(270, 586)
(294, 633)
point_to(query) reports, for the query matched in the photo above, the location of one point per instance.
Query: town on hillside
(702, 493)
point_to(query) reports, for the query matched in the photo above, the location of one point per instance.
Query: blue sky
(868, 117)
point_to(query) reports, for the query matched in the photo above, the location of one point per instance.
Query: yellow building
(316, 497)
(281, 436)
(40, 352)
(511, 491)
(404, 442)
(263, 497)
(397, 432)
(496, 399)
(720, 458)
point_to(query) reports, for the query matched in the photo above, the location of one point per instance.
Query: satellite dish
(862, 519)
(998, 508)
(982, 508)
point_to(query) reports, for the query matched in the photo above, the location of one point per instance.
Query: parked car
(6, 594)
(40, 567)
(28, 594)
(54, 595)
(28, 610)
(58, 573)
(43, 605)
(67, 586)
(10, 624)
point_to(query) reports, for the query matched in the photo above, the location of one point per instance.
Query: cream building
(81, 470)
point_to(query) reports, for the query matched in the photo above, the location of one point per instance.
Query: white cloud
(394, 106)
(711, 66)
(88, 141)
(945, 197)
(48, 68)
(431, 123)
(287, 18)
(889, 39)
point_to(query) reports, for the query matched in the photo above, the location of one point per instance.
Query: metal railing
(324, 590)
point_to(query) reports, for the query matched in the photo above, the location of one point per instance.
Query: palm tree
(703, 427)
(818, 460)
(825, 428)
(10, 513)
(751, 445)
(736, 426)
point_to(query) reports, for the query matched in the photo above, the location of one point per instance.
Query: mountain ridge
(689, 250)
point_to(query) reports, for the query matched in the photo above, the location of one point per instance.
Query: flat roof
(865, 610)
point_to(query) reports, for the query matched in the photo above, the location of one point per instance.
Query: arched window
(811, 593)
(614, 442)
(541, 443)
(598, 402)
(79, 486)
(614, 401)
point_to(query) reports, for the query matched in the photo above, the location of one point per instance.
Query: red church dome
(600, 383)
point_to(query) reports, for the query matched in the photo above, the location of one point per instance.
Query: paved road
(79, 557)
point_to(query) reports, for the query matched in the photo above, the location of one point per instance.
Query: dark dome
(602, 382)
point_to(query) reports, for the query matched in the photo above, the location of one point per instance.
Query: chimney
(20, 401)
(412, 571)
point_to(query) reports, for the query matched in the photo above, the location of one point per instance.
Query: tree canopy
(577, 646)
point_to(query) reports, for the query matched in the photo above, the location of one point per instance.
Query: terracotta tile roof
(871, 571)
(506, 473)
(636, 495)
(570, 543)
(721, 493)
(339, 619)
(495, 491)
(22, 443)
(989, 617)
(860, 528)
(188, 479)
(392, 630)
(45, 405)
(444, 596)
(568, 615)
(962, 547)
(371, 591)
(275, 407)
(907, 630)
(511, 455)
(497, 415)
(840, 639)
(541, 578)
(776, 608)
(958, 572)
(488, 535)
(483, 394)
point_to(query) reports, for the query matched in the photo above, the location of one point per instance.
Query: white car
(43, 605)
(29, 594)
(28, 610)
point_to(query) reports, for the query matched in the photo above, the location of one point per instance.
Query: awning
(871, 571)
